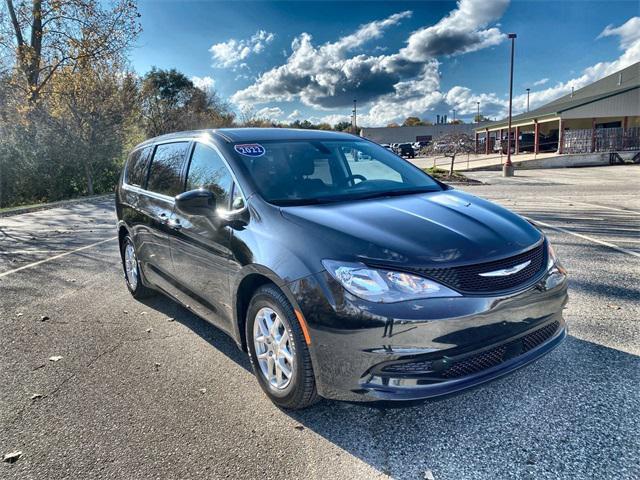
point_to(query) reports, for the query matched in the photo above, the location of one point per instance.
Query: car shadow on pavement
(208, 332)
(562, 416)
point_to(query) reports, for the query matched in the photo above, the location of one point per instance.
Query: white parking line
(55, 257)
(584, 237)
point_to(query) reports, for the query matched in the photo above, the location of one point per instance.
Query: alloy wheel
(273, 348)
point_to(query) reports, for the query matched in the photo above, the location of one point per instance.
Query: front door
(200, 244)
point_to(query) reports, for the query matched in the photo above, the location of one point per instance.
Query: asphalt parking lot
(147, 390)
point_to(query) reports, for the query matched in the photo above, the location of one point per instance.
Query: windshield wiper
(393, 193)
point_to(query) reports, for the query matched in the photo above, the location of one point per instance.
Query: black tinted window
(136, 172)
(166, 168)
(207, 170)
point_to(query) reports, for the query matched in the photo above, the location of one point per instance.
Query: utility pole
(355, 122)
(528, 90)
(507, 169)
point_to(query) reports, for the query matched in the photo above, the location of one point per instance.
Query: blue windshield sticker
(250, 149)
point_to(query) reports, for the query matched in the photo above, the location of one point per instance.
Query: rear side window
(207, 170)
(136, 172)
(166, 168)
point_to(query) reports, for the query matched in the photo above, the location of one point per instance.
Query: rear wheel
(278, 351)
(132, 272)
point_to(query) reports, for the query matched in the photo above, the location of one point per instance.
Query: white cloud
(492, 105)
(294, 115)
(540, 82)
(203, 83)
(462, 31)
(270, 113)
(233, 52)
(394, 85)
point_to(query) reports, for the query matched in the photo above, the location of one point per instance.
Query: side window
(166, 168)
(361, 163)
(207, 170)
(136, 172)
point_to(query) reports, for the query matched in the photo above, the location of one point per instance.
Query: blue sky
(287, 60)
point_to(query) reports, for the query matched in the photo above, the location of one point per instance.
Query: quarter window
(137, 165)
(166, 168)
(207, 170)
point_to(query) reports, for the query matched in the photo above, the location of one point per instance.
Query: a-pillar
(477, 142)
(536, 137)
(560, 136)
(486, 142)
(625, 124)
(517, 147)
(500, 140)
(593, 135)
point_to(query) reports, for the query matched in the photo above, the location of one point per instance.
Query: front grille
(411, 367)
(476, 363)
(467, 278)
(497, 355)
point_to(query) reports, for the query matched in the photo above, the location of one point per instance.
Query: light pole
(355, 123)
(528, 90)
(507, 169)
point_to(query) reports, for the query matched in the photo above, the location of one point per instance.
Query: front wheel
(278, 351)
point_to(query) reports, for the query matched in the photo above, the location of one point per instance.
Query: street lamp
(528, 90)
(507, 169)
(355, 123)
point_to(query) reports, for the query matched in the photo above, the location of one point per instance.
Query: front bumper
(364, 351)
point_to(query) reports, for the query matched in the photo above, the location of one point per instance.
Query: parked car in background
(406, 150)
(352, 280)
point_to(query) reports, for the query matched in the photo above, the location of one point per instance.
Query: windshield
(307, 172)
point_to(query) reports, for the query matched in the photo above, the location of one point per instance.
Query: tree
(393, 125)
(450, 146)
(171, 102)
(46, 36)
(412, 122)
(342, 126)
(480, 118)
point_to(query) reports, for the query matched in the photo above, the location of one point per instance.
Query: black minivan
(343, 270)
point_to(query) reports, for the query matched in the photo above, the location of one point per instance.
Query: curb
(46, 206)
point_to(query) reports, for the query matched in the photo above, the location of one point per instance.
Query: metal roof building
(602, 116)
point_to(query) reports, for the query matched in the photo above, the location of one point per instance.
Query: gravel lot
(147, 390)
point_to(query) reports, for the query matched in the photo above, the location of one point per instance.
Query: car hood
(427, 229)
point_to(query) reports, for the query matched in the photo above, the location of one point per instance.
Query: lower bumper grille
(477, 363)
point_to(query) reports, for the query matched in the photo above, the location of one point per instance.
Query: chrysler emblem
(506, 271)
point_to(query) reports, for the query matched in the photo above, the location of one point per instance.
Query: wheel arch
(255, 276)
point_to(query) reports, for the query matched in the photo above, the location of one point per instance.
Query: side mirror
(197, 202)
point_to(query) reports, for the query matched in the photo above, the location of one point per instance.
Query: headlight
(384, 286)
(552, 260)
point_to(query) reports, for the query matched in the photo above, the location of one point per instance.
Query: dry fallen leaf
(19, 314)
(55, 358)
(170, 319)
(35, 396)
(12, 457)
(149, 330)
(428, 475)
(44, 318)
(144, 313)
(203, 390)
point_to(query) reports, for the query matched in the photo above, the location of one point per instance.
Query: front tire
(278, 352)
(132, 271)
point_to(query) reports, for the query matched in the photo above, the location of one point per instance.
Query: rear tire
(132, 270)
(279, 348)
